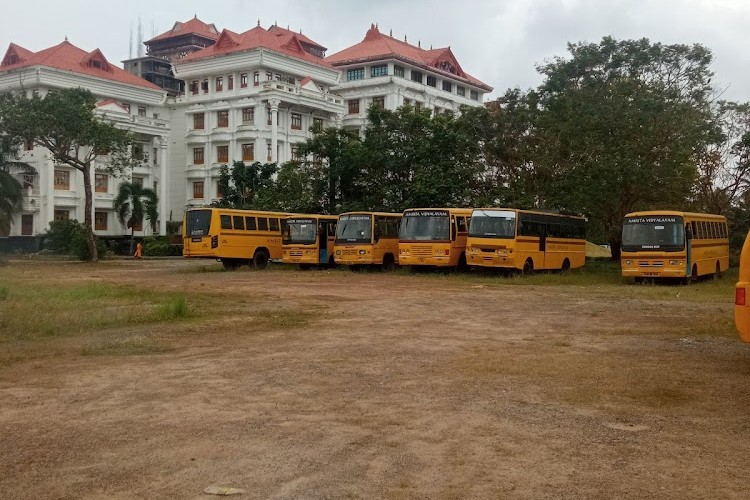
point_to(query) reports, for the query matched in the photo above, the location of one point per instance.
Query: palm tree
(11, 195)
(133, 203)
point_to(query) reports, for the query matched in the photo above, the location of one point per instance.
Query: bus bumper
(742, 310)
(435, 260)
(493, 260)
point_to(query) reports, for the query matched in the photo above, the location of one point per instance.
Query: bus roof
(240, 211)
(532, 211)
(365, 212)
(311, 216)
(456, 210)
(689, 215)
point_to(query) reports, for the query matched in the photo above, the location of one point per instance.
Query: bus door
(543, 244)
(324, 229)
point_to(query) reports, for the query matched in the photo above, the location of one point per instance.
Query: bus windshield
(666, 233)
(354, 229)
(493, 224)
(425, 225)
(299, 231)
(198, 222)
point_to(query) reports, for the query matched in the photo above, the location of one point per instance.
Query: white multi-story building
(390, 73)
(54, 191)
(251, 97)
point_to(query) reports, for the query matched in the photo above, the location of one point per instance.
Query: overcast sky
(499, 41)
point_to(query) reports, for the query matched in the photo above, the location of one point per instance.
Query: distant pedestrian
(138, 255)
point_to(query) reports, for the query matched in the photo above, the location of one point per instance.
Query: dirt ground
(400, 386)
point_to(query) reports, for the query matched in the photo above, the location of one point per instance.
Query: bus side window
(332, 229)
(239, 222)
(694, 227)
(226, 222)
(250, 223)
(273, 223)
(461, 224)
(262, 224)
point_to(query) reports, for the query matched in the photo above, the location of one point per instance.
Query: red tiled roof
(275, 39)
(68, 57)
(279, 31)
(194, 26)
(377, 46)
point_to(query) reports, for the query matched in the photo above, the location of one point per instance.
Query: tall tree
(64, 122)
(133, 203)
(11, 192)
(246, 186)
(621, 124)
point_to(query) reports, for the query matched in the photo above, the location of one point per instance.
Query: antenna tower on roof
(259, 22)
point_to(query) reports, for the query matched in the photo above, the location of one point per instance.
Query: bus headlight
(338, 252)
(672, 262)
(628, 262)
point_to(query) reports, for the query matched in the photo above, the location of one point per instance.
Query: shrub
(157, 246)
(69, 237)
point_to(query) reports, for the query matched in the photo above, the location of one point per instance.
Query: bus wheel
(260, 259)
(230, 264)
(717, 274)
(528, 267)
(389, 263)
(462, 266)
(565, 266)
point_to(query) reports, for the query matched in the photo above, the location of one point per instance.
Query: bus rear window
(198, 222)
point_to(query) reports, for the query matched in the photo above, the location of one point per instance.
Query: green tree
(64, 122)
(247, 186)
(133, 203)
(620, 126)
(11, 192)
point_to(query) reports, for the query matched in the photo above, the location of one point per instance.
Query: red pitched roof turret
(192, 27)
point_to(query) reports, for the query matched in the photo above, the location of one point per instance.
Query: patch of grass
(4, 292)
(176, 308)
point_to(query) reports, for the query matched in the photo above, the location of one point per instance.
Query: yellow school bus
(307, 240)
(433, 237)
(671, 244)
(525, 240)
(235, 237)
(741, 298)
(367, 239)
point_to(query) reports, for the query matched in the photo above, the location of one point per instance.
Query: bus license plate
(420, 259)
(197, 240)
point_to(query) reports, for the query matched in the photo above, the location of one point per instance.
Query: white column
(48, 214)
(164, 183)
(274, 104)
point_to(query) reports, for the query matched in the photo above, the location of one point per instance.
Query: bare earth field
(331, 384)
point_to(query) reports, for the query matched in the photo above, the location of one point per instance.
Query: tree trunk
(87, 222)
(614, 246)
(132, 235)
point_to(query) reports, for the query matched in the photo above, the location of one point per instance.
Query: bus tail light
(215, 241)
(739, 296)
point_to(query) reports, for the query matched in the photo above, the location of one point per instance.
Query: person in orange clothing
(138, 255)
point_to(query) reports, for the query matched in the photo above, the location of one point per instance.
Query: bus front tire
(717, 275)
(389, 263)
(260, 260)
(565, 266)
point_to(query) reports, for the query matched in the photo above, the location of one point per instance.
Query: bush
(69, 237)
(159, 246)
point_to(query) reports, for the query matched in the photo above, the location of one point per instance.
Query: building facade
(55, 191)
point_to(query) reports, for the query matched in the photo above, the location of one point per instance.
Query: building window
(256, 79)
(295, 152)
(353, 106)
(126, 106)
(381, 70)
(268, 151)
(62, 180)
(27, 224)
(156, 156)
(243, 80)
(447, 86)
(407, 102)
(62, 215)
(398, 71)
(137, 180)
(101, 183)
(197, 189)
(317, 124)
(230, 82)
(204, 86)
(474, 95)
(269, 76)
(248, 115)
(222, 118)
(270, 116)
(219, 83)
(355, 74)
(418, 105)
(197, 156)
(28, 145)
(198, 121)
(248, 152)
(379, 102)
(296, 121)
(416, 76)
(194, 87)
(222, 154)
(100, 221)
(461, 91)
(431, 81)
(142, 111)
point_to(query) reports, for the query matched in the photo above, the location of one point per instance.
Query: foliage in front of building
(68, 237)
(159, 246)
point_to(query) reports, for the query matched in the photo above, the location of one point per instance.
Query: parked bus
(367, 239)
(307, 240)
(741, 298)
(525, 240)
(669, 244)
(433, 237)
(235, 237)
